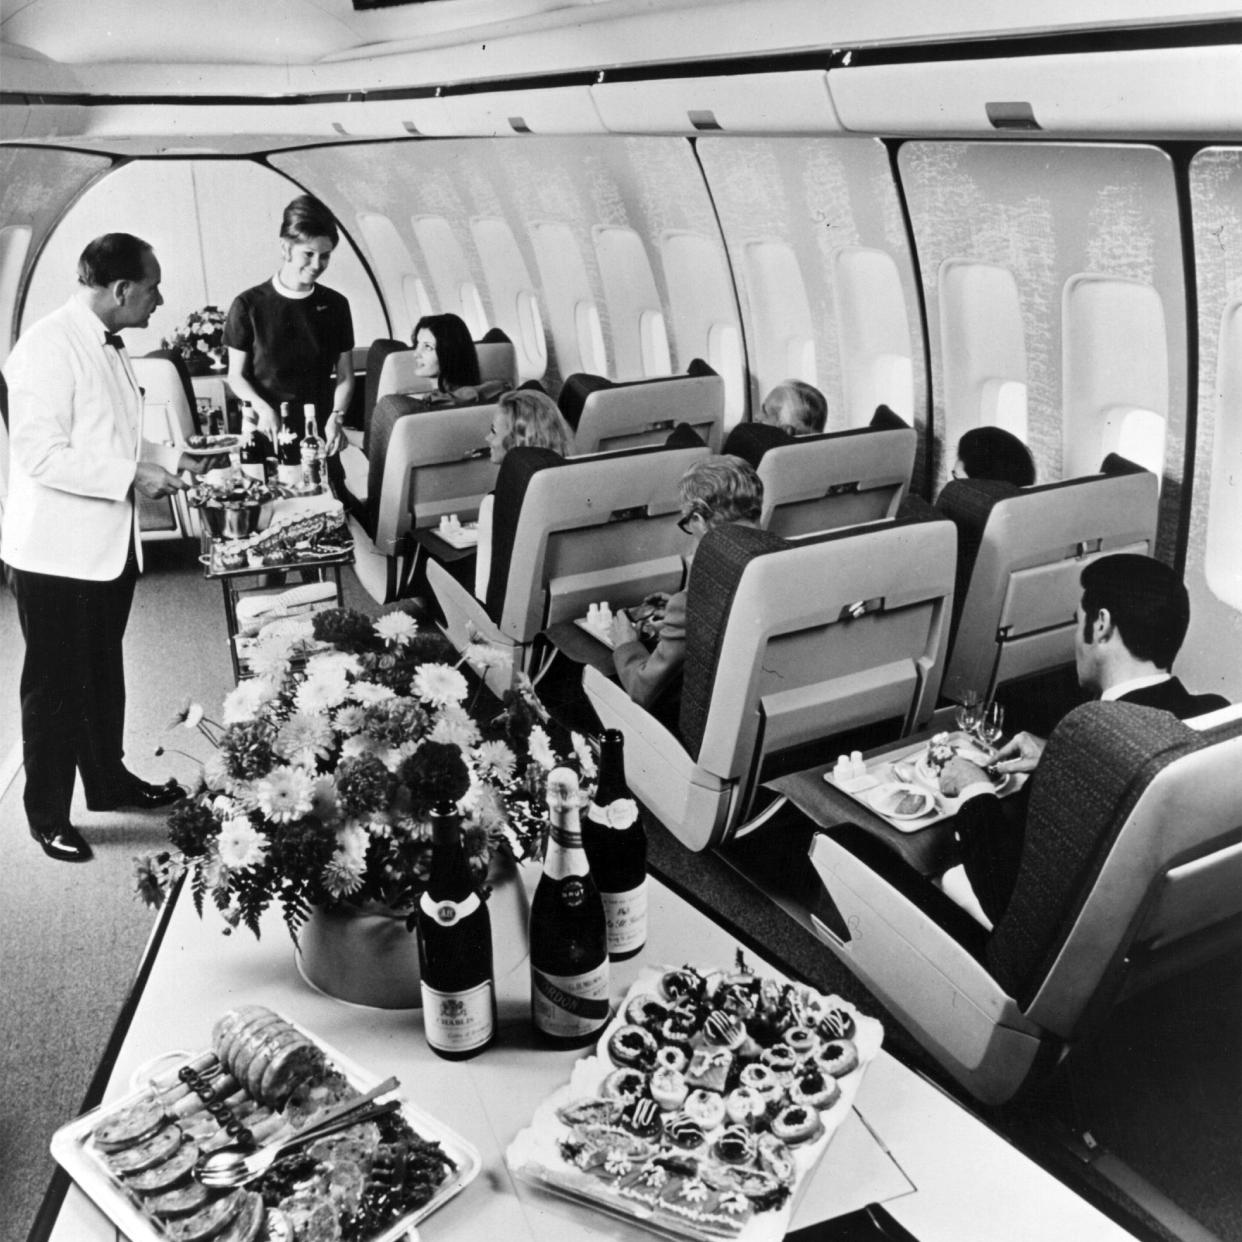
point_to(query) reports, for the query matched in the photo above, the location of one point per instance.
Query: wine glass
(969, 712)
(991, 726)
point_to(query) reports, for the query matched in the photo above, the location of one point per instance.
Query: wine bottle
(568, 935)
(288, 458)
(454, 949)
(254, 445)
(616, 847)
(310, 451)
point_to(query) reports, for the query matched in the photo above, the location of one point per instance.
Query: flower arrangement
(328, 761)
(200, 340)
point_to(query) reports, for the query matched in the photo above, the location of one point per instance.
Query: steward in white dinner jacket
(70, 535)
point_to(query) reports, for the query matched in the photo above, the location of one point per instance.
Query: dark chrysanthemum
(345, 628)
(190, 827)
(247, 749)
(434, 773)
(363, 784)
(395, 721)
(302, 850)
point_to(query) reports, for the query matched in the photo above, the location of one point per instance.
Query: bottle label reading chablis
(626, 915)
(570, 1006)
(458, 1021)
(620, 813)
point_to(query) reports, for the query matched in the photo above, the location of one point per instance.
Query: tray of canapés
(146, 1160)
(710, 1100)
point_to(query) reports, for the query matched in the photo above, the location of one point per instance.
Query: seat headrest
(380, 348)
(719, 562)
(750, 441)
(574, 393)
(698, 367)
(885, 419)
(1114, 463)
(520, 465)
(494, 336)
(684, 436)
(1095, 767)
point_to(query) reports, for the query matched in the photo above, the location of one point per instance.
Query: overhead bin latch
(1013, 114)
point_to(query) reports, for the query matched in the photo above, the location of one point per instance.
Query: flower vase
(366, 955)
(198, 363)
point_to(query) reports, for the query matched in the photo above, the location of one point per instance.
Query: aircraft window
(781, 314)
(876, 358)
(566, 288)
(982, 348)
(511, 288)
(724, 356)
(697, 279)
(1116, 363)
(629, 293)
(14, 243)
(654, 336)
(391, 262)
(591, 351)
(1222, 562)
(1002, 403)
(472, 309)
(530, 331)
(449, 269)
(1136, 434)
(417, 303)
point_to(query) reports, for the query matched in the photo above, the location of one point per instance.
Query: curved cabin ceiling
(180, 76)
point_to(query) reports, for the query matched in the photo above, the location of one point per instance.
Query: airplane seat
(607, 415)
(1016, 617)
(967, 504)
(420, 470)
(4, 457)
(836, 479)
(568, 533)
(169, 416)
(497, 360)
(378, 351)
(1131, 872)
(750, 441)
(787, 643)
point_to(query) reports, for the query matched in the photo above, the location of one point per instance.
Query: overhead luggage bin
(504, 114)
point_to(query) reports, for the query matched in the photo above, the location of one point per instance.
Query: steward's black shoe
(140, 796)
(64, 844)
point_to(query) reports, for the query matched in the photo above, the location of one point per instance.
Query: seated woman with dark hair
(993, 453)
(444, 352)
(715, 491)
(524, 418)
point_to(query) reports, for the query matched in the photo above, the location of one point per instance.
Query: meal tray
(600, 633)
(534, 1155)
(72, 1150)
(465, 536)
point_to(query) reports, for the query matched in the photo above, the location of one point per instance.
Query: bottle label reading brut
(458, 1021)
(626, 915)
(570, 1006)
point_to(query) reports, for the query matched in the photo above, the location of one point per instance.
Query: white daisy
(359, 744)
(541, 749)
(586, 758)
(242, 704)
(352, 843)
(215, 771)
(455, 730)
(332, 662)
(482, 655)
(241, 845)
(322, 692)
(270, 660)
(396, 628)
(369, 692)
(395, 756)
(341, 876)
(349, 719)
(193, 714)
(439, 685)
(284, 794)
(303, 738)
(497, 758)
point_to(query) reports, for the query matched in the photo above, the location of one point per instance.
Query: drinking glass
(991, 725)
(969, 712)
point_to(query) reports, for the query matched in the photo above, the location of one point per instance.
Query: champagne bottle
(311, 451)
(454, 949)
(254, 445)
(288, 458)
(616, 847)
(568, 935)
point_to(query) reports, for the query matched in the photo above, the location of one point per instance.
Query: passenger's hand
(1020, 754)
(622, 629)
(154, 482)
(958, 773)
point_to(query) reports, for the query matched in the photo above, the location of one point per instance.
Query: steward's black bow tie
(114, 339)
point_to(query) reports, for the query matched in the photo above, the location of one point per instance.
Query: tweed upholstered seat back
(379, 350)
(1017, 616)
(1133, 845)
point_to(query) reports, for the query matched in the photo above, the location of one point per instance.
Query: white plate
(888, 795)
(73, 1151)
(465, 536)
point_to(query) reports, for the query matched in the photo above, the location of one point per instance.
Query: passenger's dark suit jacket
(990, 830)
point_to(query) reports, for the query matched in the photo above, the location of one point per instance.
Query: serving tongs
(236, 1165)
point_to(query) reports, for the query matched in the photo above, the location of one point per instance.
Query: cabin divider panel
(1212, 656)
(1050, 214)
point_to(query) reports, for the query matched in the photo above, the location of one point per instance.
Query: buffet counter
(940, 1172)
